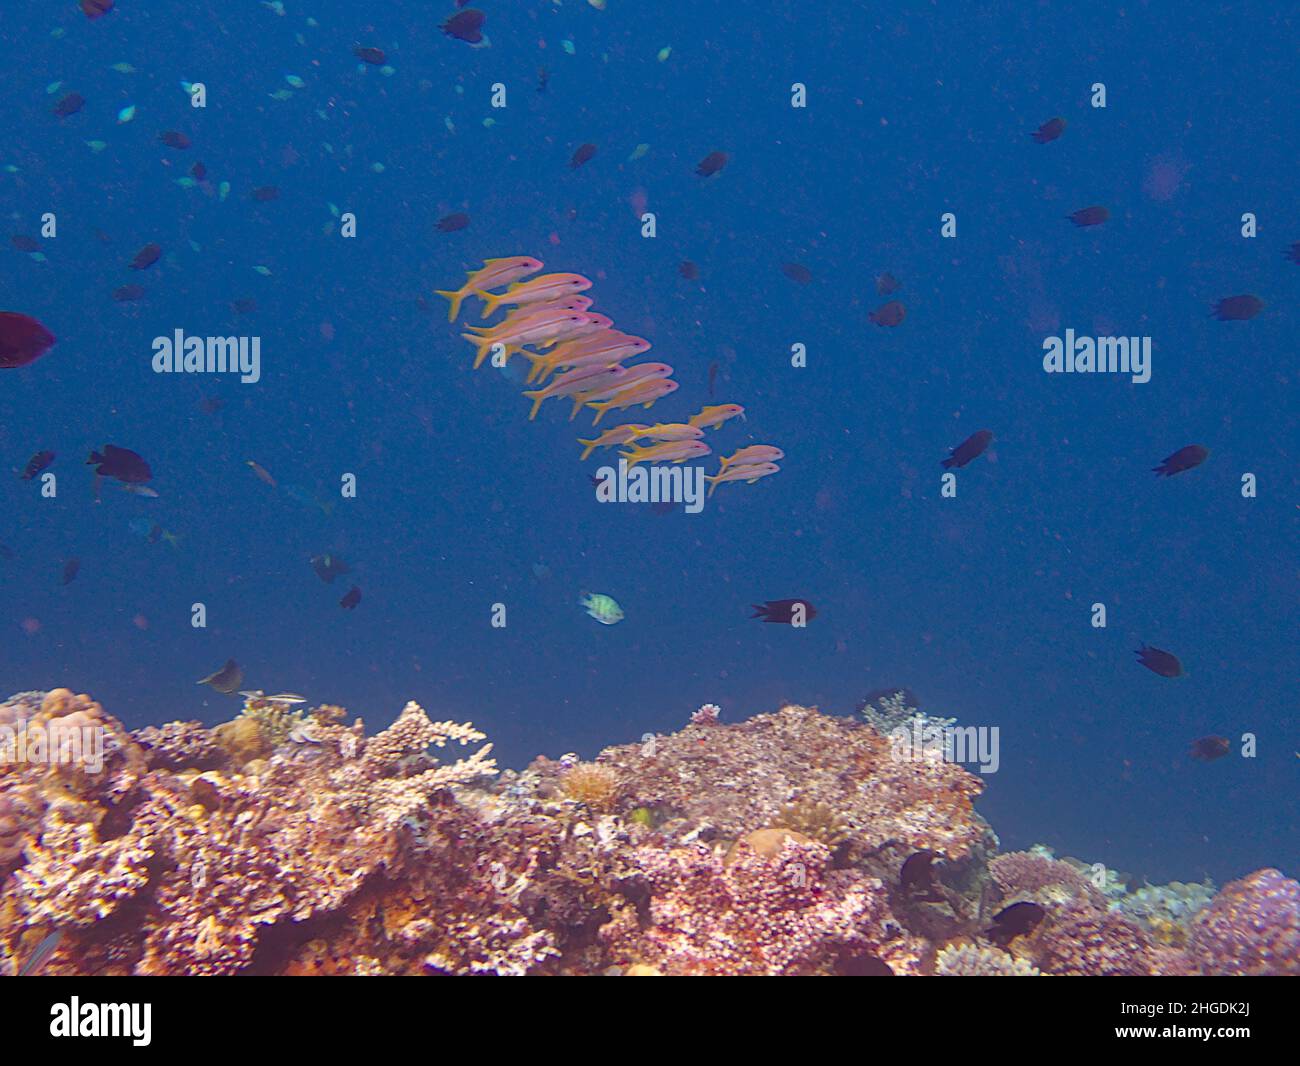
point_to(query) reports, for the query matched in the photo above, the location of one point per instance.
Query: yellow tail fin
(481, 348)
(716, 481)
(636, 455)
(537, 396)
(490, 303)
(600, 409)
(538, 367)
(455, 298)
(590, 447)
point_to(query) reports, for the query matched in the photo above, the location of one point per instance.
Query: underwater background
(980, 604)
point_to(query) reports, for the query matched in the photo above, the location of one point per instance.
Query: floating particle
(194, 245)
(599, 5)
(263, 270)
(146, 257)
(664, 53)
(387, 71)
(797, 272)
(126, 114)
(294, 81)
(377, 168)
(199, 171)
(24, 243)
(70, 570)
(281, 95)
(123, 68)
(69, 105)
(276, 6)
(186, 182)
(688, 270)
(890, 314)
(451, 126)
(128, 293)
(334, 209)
(1183, 459)
(174, 139)
(711, 164)
(638, 152)
(466, 25)
(265, 194)
(373, 56)
(223, 190)
(1207, 749)
(96, 146)
(569, 46)
(1049, 130)
(581, 155)
(971, 448)
(452, 223)
(488, 123)
(1238, 308)
(886, 284)
(1089, 216)
(1160, 662)
(53, 88)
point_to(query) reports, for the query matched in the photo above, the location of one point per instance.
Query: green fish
(604, 609)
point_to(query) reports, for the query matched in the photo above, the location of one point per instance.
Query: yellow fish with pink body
(544, 328)
(752, 456)
(672, 451)
(672, 431)
(620, 380)
(749, 474)
(567, 303)
(537, 290)
(624, 434)
(715, 416)
(493, 274)
(608, 347)
(594, 383)
(644, 393)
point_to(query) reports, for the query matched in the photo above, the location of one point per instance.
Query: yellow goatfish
(620, 379)
(644, 393)
(752, 456)
(539, 329)
(624, 434)
(749, 474)
(715, 416)
(493, 274)
(672, 431)
(673, 451)
(543, 289)
(594, 383)
(609, 346)
(569, 303)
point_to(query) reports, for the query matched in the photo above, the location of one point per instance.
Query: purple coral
(1251, 929)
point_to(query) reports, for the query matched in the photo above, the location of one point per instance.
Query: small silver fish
(37, 959)
(285, 697)
(141, 490)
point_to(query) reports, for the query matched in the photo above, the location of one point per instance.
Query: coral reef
(294, 843)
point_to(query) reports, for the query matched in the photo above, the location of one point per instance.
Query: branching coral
(972, 960)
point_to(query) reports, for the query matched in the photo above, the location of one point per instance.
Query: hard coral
(1083, 940)
(971, 960)
(1251, 929)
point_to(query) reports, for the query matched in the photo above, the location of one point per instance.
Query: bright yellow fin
(537, 396)
(455, 298)
(590, 447)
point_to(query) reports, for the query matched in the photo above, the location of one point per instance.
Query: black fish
(797, 272)
(711, 164)
(1049, 130)
(581, 155)
(226, 680)
(971, 448)
(688, 270)
(120, 463)
(862, 966)
(173, 139)
(36, 464)
(352, 598)
(328, 567)
(890, 314)
(265, 194)
(69, 105)
(1017, 920)
(1238, 308)
(782, 611)
(1089, 216)
(1207, 749)
(1183, 459)
(94, 9)
(451, 223)
(374, 56)
(23, 340)
(916, 878)
(25, 244)
(146, 257)
(1159, 662)
(70, 570)
(466, 25)
(127, 293)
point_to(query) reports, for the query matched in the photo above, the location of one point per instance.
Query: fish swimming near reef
(120, 463)
(753, 455)
(748, 473)
(971, 448)
(616, 435)
(546, 288)
(713, 417)
(1160, 662)
(671, 451)
(1049, 130)
(493, 274)
(917, 878)
(1019, 919)
(604, 609)
(36, 464)
(1183, 459)
(23, 340)
(226, 680)
(41, 955)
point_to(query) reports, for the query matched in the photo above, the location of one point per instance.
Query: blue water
(979, 604)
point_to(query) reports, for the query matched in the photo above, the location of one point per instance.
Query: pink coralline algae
(1251, 929)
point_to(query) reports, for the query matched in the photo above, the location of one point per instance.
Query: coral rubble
(292, 843)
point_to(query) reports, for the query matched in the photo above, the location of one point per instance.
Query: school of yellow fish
(552, 316)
